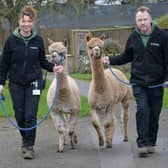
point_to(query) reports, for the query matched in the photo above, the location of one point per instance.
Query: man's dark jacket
(149, 64)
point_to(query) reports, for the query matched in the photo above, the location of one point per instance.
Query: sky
(104, 2)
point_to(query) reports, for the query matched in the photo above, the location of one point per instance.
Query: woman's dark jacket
(23, 58)
(149, 64)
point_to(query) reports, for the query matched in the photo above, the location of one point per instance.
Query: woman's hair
(28, 10)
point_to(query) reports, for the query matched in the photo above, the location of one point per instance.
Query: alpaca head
(57, 50)
(95, 46)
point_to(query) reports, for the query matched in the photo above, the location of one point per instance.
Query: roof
(99, 16)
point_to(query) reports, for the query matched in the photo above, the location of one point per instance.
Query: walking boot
(142, 152)
(29, 153)
(23, 147)
(151, 149)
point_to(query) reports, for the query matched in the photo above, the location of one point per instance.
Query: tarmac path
(87, 153)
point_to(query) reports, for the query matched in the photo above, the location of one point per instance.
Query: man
(146, 48)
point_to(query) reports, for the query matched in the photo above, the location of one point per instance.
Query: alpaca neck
(64, 91)
(64, 79)
(98, 75)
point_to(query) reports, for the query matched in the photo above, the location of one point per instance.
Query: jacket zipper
(25, 57)
(146, 69)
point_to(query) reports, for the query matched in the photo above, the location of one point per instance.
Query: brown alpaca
(65, 112)
(104, 92)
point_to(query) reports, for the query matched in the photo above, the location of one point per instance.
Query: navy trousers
(25, 106)
(149, 104)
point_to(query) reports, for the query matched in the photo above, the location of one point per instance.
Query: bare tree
(9, 9)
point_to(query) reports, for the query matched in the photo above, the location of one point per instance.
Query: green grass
(163, 21)
(85, 110)
(165, 102)
(7, 102)
(86, 77)
(43, 108)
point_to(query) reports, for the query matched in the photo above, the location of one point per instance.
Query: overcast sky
(104, 2)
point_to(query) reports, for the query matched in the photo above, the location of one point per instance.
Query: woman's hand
(1, 89)
(58, 69)
(166, 84)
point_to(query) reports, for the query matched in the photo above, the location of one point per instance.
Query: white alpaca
(104, 92)
(65, 111)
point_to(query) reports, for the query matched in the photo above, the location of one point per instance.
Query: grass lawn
(86, 77)
(165, 100)
(43, 108)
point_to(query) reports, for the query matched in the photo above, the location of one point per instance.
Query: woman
(22, 59)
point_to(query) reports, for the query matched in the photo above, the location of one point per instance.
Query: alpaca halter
(62, 58)
(99, 56)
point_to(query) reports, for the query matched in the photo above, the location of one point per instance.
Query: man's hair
(28, 10)
(143, 9)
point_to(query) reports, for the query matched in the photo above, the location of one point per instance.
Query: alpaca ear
(50, 41)
(88, 37)
(102, 37)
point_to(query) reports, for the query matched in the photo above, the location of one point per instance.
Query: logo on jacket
(34, 48)
(155, 44)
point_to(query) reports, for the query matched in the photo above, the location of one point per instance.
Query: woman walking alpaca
(22, 59)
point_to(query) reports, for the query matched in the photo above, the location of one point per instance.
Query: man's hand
(105, 60)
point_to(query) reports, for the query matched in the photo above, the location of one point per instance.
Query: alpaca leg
(124, 118)
(109, 127)
(96, 125)
(59, 125)
(73, 139)
(61, 138)
(72, 134)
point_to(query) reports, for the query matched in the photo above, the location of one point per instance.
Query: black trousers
(149, 104)
(25, 105)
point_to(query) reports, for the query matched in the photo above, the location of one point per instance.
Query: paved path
(83, 86)
(87, 153)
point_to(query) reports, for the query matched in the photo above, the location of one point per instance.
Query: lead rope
(133, 84)
(41, 120)
(4, 111)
